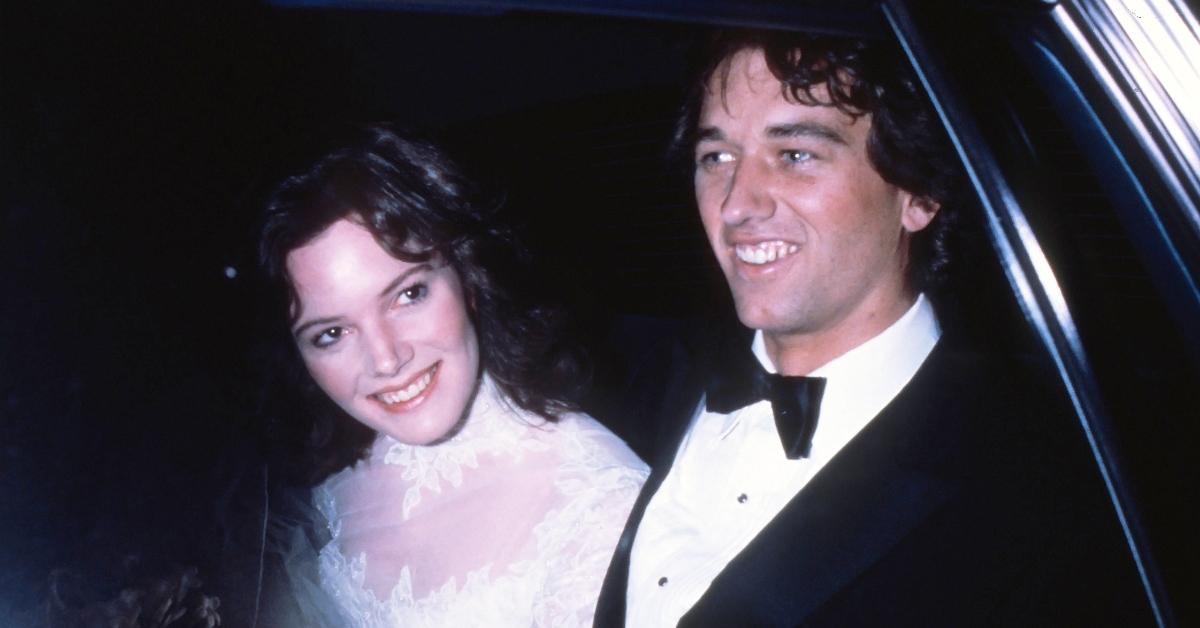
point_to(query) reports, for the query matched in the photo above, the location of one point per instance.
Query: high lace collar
(493, 427)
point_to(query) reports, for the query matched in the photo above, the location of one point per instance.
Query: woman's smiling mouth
(404, 398)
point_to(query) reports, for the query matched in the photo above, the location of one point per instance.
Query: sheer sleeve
(599, 487)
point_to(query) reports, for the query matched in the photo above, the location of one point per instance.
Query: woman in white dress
(457, 482)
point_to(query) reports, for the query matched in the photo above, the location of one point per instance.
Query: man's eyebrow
(392, 285)
(709, 134)
(797, 129)
(806, 129)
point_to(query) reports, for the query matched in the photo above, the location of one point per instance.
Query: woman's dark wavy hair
(907, 145)
(419, 206)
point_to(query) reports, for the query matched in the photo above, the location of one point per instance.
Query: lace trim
(559, 587)
(428, 467)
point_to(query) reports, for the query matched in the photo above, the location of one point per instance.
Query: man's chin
(755, 315)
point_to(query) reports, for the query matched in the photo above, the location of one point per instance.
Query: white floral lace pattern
(511, 522)
(427, 467)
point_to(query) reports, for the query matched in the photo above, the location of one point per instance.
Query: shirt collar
(871, 374)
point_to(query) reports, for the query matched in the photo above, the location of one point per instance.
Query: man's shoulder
(962, 370)
(981, 402)
(650, 376)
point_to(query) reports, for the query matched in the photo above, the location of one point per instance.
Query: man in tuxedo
(849, 464)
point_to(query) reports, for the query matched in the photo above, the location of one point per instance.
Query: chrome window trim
(1037, 291)
(1162, 117)
(1146, 229)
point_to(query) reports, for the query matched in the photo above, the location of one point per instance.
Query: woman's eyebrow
(392, 285)
(300, 329)
(402, 277)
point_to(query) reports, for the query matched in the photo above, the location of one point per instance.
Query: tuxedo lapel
(874, 492)
(680, 394)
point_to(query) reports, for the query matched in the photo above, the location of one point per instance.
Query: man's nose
(746, 196)
(387, 352)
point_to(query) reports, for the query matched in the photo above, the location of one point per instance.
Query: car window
(1118, 239)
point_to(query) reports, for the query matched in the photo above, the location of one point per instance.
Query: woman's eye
(796, 156)
(328, 337)
(412, 294)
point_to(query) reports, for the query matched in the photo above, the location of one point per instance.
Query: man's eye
(412, 294)
(796, 156)
(714, 158)
(328, 337)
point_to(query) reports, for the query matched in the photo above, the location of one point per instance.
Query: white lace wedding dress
(511, 522)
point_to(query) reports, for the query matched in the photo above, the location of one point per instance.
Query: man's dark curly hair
(907, 145)
(419, 206)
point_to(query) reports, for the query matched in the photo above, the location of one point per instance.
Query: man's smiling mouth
(764, 252)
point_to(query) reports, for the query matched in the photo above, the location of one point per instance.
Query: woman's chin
(427, 423)
(433, 416)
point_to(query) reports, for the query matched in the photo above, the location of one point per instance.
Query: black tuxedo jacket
(967, 501)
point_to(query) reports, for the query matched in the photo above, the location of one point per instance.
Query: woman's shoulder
(598, 445)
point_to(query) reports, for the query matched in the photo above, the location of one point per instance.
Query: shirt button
(742, 498)
(662, 582)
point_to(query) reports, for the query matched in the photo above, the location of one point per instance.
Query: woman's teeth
(410, 391)
(764, 252)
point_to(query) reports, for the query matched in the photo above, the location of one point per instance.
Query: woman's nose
(387, 352)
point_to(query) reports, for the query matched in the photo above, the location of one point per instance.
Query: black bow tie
(796, 401)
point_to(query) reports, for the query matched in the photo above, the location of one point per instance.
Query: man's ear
(918, 212)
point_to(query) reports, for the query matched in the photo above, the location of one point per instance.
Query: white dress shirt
(731, 477)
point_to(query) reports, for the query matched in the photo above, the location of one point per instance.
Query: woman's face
(389, 341)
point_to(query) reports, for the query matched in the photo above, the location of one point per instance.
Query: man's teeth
(410, 391)
(764, 252)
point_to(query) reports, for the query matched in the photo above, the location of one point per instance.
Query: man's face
(812, 241)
